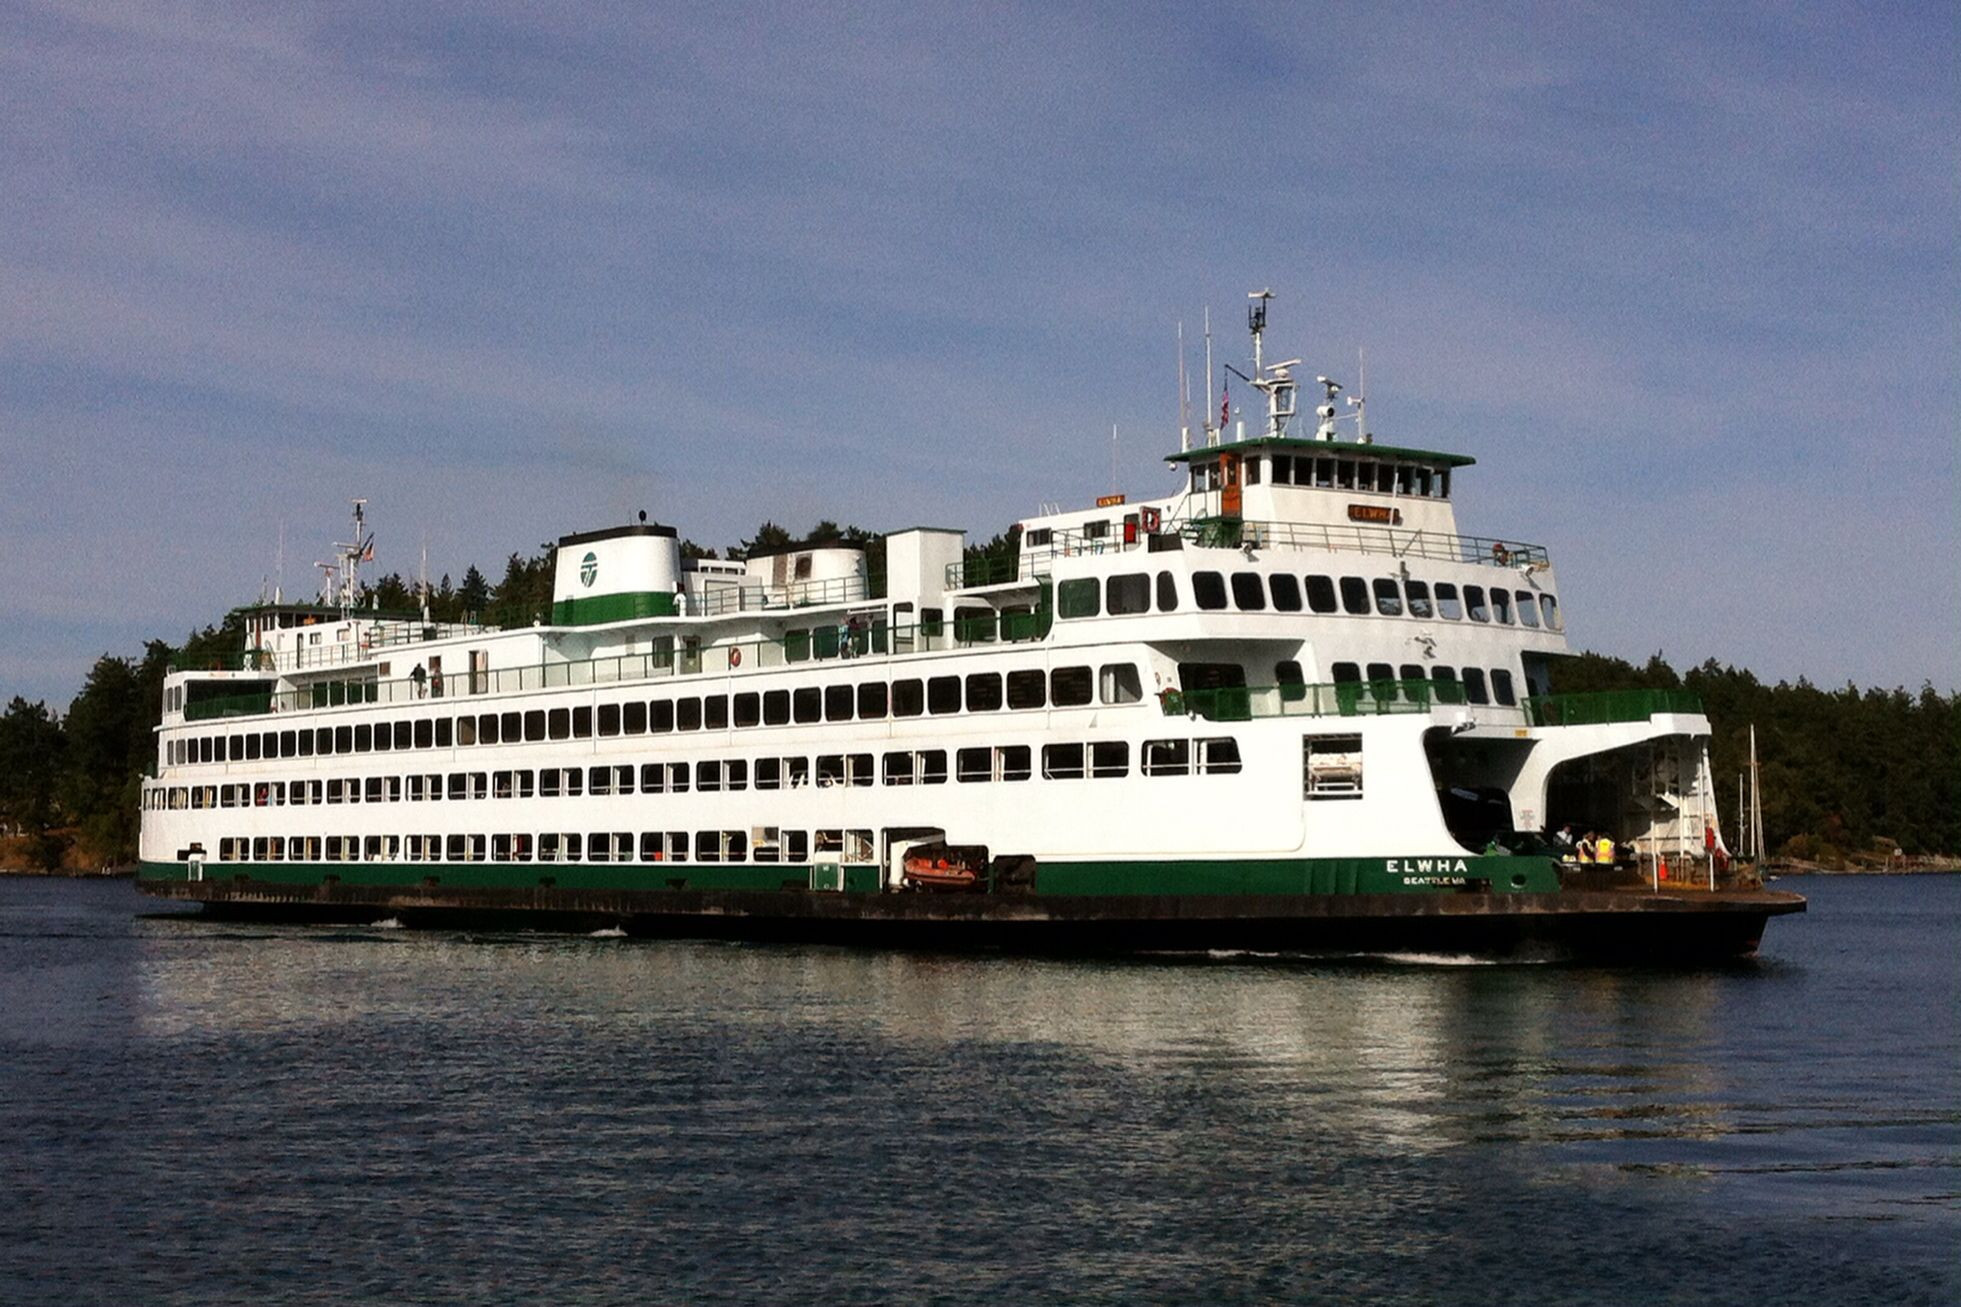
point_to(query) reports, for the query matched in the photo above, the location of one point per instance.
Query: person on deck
(1583, 851)
(1603, 853)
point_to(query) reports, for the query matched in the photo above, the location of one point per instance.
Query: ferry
(1286, 706)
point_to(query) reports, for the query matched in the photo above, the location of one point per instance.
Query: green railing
(988, 569)
(1342, 699)
(1609, 706)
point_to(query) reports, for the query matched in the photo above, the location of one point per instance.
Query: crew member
(1604, 851)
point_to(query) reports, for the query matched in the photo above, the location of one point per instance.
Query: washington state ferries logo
(588, 569)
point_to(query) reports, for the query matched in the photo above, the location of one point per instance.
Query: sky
(1683, 279)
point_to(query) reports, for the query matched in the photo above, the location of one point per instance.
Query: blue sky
(1683, 279)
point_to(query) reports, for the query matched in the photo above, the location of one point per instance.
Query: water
(193, 1113)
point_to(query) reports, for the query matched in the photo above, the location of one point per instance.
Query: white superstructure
(1295, 661)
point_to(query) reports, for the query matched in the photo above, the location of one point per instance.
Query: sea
(193, 1112)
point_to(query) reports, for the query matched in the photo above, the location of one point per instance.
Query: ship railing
(825, 642)
(755, 596)
(1242, 533)
(1601, 707)
(363, 643)
(1395, 542)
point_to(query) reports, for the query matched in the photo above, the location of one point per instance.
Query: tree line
(1846, 772)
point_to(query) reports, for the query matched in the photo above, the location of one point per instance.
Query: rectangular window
(708, 777)
(1286, 592)
(534, 728)
(1474, 603)
(1013, 762)
(1077, 597)
(748, 709)
(839, 701)
(1501, 687)
(1218, 757)
(1501, 605)
(1070, 687)
(633, 718)
(859, 769)
(1109, 759)
(943, 694)
(1120, 683)
(687, 714)
(715, 712)
(735, 774)
(908, 698)
(1321, 594)
(1354, 596)
(1549, 609)
(1528, 609)
(1062, 762)
(898, 768)
(1448, 606)
(1248, 592)
(1028, 688)
(1474, 687)
(932, 767)
(1331, 766)
(1388, 597)
(1419, 598)
(1128, 593)
(559, 723)
(776, 707)
(830, 770)
(1167, 592)
(807, 704)
(466, 734)
(1096, 530)
(872, 701)
(1209, 591)
(609, 719)
(1167, 757)
(974, 764)
(660, 717)
(984, 692)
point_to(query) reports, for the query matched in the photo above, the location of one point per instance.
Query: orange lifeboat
(937, 871)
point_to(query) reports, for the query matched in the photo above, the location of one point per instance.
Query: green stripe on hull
(1250, 876)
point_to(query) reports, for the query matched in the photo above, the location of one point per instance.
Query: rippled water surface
(199, 1113)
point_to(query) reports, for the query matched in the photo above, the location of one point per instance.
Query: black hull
(1669, 928)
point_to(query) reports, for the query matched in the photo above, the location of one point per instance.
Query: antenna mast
(344, 574)
(1279, 387)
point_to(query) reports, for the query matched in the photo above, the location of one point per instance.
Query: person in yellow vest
(1583, 851)
(1603, 854)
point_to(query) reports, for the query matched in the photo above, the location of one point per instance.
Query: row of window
(756, 844)
(1365, 475)
(1027, 688)
(1253, 592)
(1101, 759)
(1450, 684)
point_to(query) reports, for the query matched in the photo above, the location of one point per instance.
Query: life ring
(735, 657)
